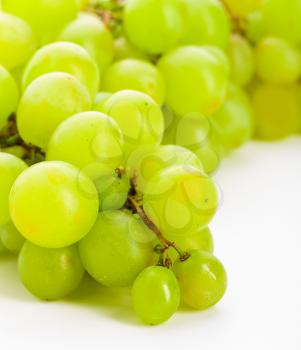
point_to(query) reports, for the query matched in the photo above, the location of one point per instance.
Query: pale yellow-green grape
(137, 75)
(277, 61)
(11, 238)
(255, 26)
(9, 96)
(50, 274)
(100, 100)
(91, 33)
(10, 168)
(196, 79)
(241, 57)
(124, 49)
(48, 101)
(206, 23)
(155, 295)
(234, 121)
(145, 162)
(276, 110)
(17, 151)
(17, 74)
(117, 248)
(202, 279)
(93, 142)
(197, 133)
(241, 8)
(63, 57)
(53, 204)
(139, 118)
(3, 250)
(153, 26)
(17, 41)
(180, 200)
(46, 17)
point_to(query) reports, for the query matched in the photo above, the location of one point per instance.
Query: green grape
(47, 18)
(145, 162)
(241, 8)
(53, 204)
(9, 96)
(255, 26)
(196, 79)
(11, 238)
(206, 23)
(276, 110)
(202, 279)
(234, 121)
(195, 132)
(137, 75)
(139, 118)
(63, 57)
(48, 101)
(3, 250)
(155, 295)
(117, 248)
(17, 41)
(10, 168)
(124, 49)
(241, 57)
(100, 100)
(50, 274)
(153, 26)
(282, 19)
(180, 200)
(91, 33)
(277, 61)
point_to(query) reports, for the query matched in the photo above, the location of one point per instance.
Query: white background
(257, 233)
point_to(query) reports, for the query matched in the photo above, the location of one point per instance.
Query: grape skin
(50, 274)
(70, 204)
(11, 238)
(155, 295)
(117, 249)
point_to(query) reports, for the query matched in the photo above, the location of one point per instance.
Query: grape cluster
(113, 116)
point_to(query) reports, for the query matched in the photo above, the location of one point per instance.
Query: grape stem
(149, 223)
(237, 23)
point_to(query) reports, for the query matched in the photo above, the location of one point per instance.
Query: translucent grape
(2, 248)
(139, 118)
(196, 79)
(182, 201)
(241, 8)
(255, 26)
(100, 100)
(91, 33)
(9, 96)
(277, 61)
(117, 248)
(17, 41)
(197, 133)
(155, 295)
(153, 26)
(137, 75)
(10, 168)
(47, 18)
(124, 49)
(276, 111)
(11, 238)
(53, 205)
(241, 57)
(145, 162)
(234, 121)
(50, 274)
(202, 279)
(48, 101)
(206, 23)
(63, 57)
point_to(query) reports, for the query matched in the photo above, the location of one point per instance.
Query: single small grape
(124, 49)
(134, 74)
(11, 238)
(117, 248)
(50, 274)
(155, 295)
(53, 204)
(202, 279)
